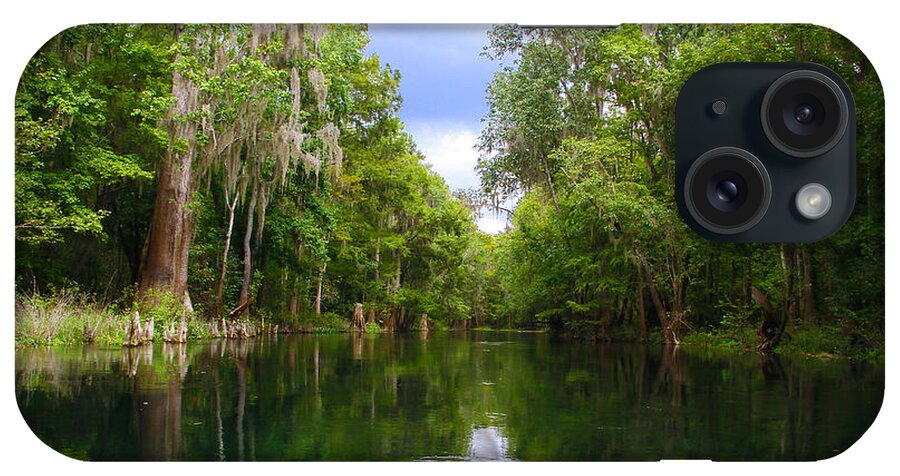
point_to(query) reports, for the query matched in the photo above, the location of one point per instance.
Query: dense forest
(259, 175)
(583, 126)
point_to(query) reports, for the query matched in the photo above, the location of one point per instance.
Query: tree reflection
(401, 397)
(156, 386)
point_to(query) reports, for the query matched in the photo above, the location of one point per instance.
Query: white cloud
(450, 150)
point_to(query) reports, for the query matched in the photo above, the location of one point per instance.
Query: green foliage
(324, 323)
(66, 317)
(817, 339)
(163, 308)
(742, 339)
(66, 106)
(302, 160)
(373, 328)
(91, 112)
(582, 122)
(198, 328)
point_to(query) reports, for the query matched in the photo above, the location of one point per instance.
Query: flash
(813, 201)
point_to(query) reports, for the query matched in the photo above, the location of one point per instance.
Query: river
(441, 396)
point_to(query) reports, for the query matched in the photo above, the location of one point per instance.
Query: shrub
(66, 317)
(324, 323)
(373, 328)
(162, 307)
(814, 339)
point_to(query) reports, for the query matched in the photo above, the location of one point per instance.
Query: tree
(583, 121)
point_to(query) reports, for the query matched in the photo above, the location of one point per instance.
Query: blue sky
(442, 82)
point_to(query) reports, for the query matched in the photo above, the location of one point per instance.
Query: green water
(445, 396)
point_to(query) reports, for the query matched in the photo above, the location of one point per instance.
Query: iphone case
(422, 242)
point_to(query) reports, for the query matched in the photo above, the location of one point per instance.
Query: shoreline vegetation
(70, 318)
(180, 181)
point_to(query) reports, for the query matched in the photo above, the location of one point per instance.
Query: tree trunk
(262, 257)
(657, 301)
(134, 334)
(165, 259)
(808, 299)
(772, 328)
(479, 314)
(642, 311)
(377, 259)
(399, 270)
(549, 178)
(248, 263)
(220, 286)
(359, 322)
(606, 319)
(677, 321)
(294, 306)
(318, 304)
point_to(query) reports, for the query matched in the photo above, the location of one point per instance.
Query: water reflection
(471, 396)
(488, 444)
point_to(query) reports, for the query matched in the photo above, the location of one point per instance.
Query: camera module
(804, 113)
(765, 152)
(727, 190)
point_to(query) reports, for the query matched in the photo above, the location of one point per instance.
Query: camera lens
(727, 190)
(804, 113)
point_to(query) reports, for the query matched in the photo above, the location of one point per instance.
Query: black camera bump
(741, 176)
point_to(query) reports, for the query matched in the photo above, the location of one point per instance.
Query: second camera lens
(804, 113)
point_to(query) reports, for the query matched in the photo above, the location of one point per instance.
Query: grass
(734, 338)
(324, 323)
(814, 340)
(69, 317)
(66, 317)
(829, 340)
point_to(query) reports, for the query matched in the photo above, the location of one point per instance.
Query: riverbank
(815, 341)
(68, 318)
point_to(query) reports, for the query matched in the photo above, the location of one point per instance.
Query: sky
(442, 81)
